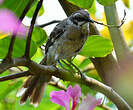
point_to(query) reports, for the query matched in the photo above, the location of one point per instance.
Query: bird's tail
(33, 89)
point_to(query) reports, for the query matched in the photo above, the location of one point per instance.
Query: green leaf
(93, 10)
(84, 63)
(93, 74)
(38, 56)
(9, 88)
(39, 36)
(99, 108)
(19, 47)
(106, 2)
(32, 9)
(17, 6)
(97, 46)
(126, 3)
(82, 3)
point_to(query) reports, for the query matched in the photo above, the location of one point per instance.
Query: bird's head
(81, 17)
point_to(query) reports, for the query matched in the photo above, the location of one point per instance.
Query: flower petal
(61, 98)
(1, 1)
(89, 103)
(74, 92)
(9, 23)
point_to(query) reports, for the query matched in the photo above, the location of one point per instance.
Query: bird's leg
(66, 65)
(58, 61)
(79, 72)
(69, 66)
(72, 59)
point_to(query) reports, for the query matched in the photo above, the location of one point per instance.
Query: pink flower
(61, 98)
(1, 1)
(9, 23)
(89, 103)
(75, 94)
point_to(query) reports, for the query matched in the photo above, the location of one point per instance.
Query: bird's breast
(68, 44)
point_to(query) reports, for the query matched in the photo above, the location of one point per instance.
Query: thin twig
(14, 76)
(110, 26)
(105, 107)
(67, 76)
(120, 46)
(113, 26)
(90, 82)
(9, 54)
(123, 20)
(19, 68)
(49, 23)
(76, 68)
(57, 85)
(26, 9)
(88, 69)
(15, 62)
(27, 50)
(69, 66)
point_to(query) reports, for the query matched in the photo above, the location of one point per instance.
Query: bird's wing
(55, 34)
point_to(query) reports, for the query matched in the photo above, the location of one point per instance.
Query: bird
(65, 41)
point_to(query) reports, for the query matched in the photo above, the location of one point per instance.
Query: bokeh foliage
(96, 46)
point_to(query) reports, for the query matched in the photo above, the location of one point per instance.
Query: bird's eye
(78, 17)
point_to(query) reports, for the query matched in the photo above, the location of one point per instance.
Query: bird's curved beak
(90, 20)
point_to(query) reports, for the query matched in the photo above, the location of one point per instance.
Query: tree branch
(9, 54)
(68, 7)
(26, 9)
(105, 107)
(13, 63)
(14, 76)
(59, 86)
(49, 23)
(107, 67)
(27, 50)
(112, 26)
(120, 46)
(90, 82)
(108, 91)
(102, 65)
(67, 76)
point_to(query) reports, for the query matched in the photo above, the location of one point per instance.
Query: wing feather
(56, 33)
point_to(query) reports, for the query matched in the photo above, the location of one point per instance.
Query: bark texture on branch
(102, 65)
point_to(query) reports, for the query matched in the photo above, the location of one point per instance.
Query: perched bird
(65, 41)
